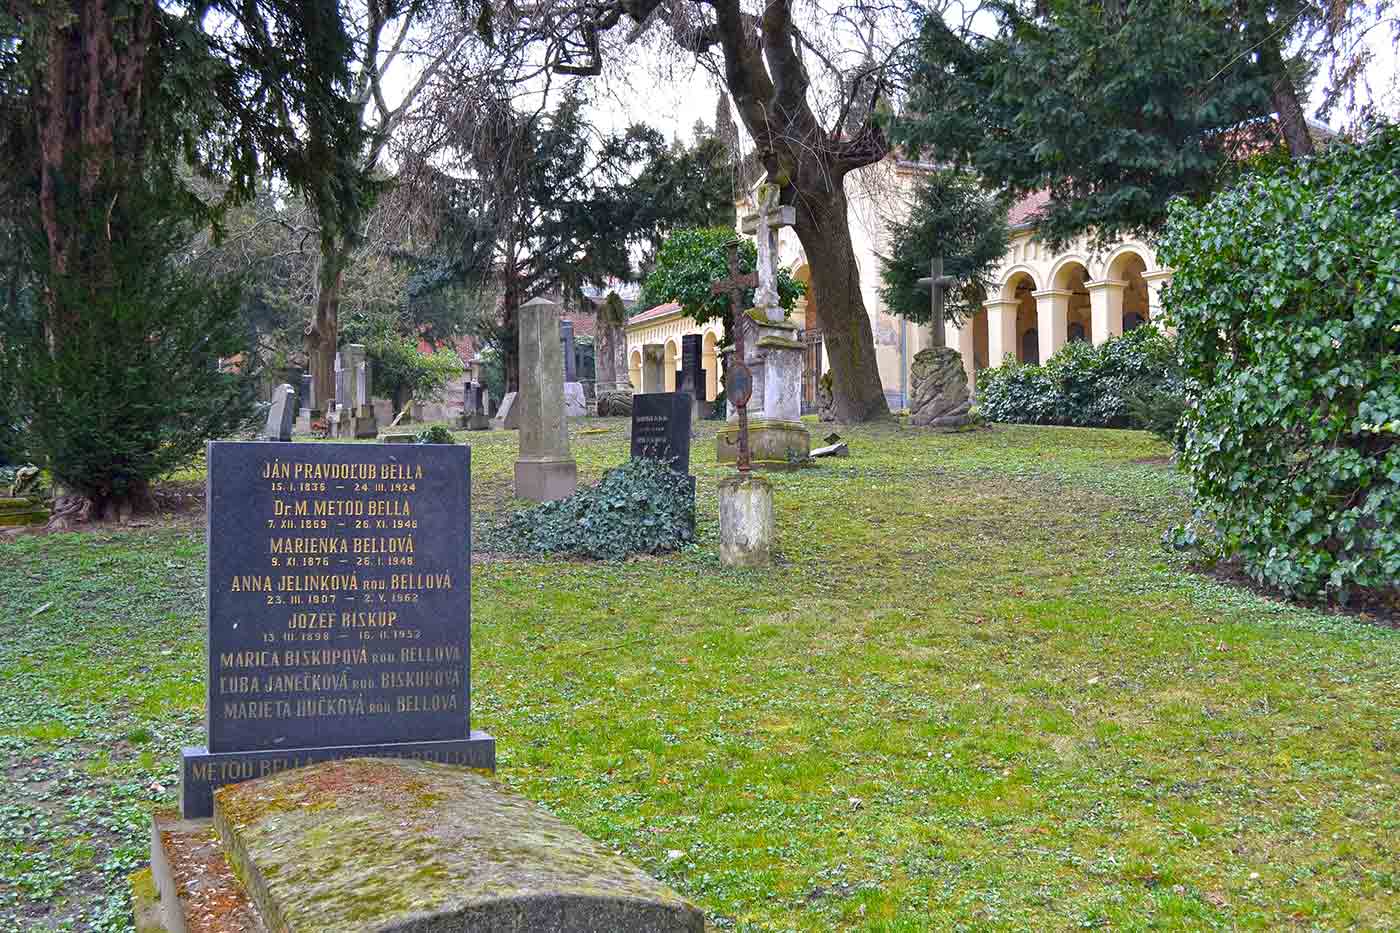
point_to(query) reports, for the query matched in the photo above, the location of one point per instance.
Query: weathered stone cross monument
(938, 284)
(772, 353)
(940, 396)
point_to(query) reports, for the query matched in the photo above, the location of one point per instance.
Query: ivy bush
(1287, 299)
(641, 507)
(436, 434)
(1082, 384)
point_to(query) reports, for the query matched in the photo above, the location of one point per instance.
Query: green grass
(974, 693)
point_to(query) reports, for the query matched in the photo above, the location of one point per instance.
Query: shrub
(641, 507)
(128, 388)
(1287, 299)
(1081, 385)
(437, 434)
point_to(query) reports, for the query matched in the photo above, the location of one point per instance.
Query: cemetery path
(974, 693)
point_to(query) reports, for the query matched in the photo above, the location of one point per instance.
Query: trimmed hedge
(1287, 299)
(1081, 385)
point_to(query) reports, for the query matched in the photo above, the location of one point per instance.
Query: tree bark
(1292, 121)
(323, 333)
(822, 227)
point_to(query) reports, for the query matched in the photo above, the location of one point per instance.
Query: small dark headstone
(339, 609)
(566, 344)
(661, 428)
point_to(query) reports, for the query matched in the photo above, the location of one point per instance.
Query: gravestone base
(773, 445)
(304, 418)
(378, 845)
(20, 511)
(545, 480)
(202, 771)
(364, 425)
(745, 521)
(477, 421)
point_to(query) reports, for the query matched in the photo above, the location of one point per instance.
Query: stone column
(1052, 319)
(544, 470)
(960, 338)
(1106, 309)
(1001, 330)
(1156, 281)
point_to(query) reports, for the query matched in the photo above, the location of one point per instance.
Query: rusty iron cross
(734, 287)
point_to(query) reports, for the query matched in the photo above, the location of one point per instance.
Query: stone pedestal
(745, 521)
(544, 470)
(777, 437)
(940, 397)
(544, 480)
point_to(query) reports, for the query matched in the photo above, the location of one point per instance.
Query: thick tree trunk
(825, 232)
(323, 333)
(1292, 121)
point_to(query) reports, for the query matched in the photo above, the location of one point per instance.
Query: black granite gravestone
(339, 610)
(661, 428)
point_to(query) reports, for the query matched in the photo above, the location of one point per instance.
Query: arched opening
(709, 360)
(673, 363)
(1027, 335)
(634, 369)
(1073, 278)
(1129, 267)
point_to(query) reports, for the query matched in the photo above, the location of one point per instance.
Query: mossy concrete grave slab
(400, 845)
(190, 886)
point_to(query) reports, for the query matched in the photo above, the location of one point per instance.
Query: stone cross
(763, 223)
(938, 284)
(735, 286)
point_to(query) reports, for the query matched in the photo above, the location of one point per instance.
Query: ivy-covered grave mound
(641, 507)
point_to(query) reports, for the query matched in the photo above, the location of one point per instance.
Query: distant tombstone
(1132, 321)
(281, 414)
(661, 428)
(307, 412)
(569, 350)
(339, 590)
(1076, 334)
(653, 368)
(692, 376)
(575, 401)
(474, 407)
(507, 416)
(544, 471)
(360, 388)
(1030, 346)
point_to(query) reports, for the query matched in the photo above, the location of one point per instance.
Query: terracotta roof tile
(658, 311)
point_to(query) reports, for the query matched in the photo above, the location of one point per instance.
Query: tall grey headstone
(569, 350)
(653, 367)
(544, 470)
(281, 414)
(692, 378)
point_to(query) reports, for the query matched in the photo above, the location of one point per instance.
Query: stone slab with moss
(773, 445)
(388, 844)
(190, 886)
(20, 511)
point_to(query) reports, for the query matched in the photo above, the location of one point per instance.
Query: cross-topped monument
(764, 222)
(738, 383)
(938, 284)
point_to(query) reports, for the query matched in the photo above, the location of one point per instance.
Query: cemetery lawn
(974, 694)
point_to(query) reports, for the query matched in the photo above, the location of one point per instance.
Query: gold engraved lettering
(390, 508)
(316, 545)
(418, 680)
(430, 654)
(236, 659)
(372, 619)
(250, 583)
(402, 545)
(420, 581)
